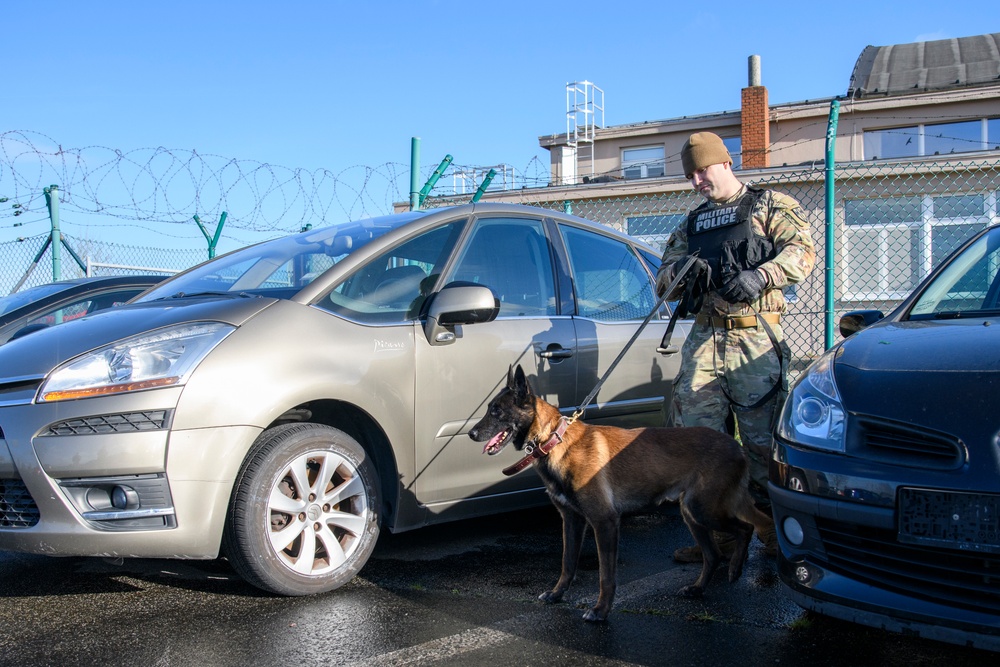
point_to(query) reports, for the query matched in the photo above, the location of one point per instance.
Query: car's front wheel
(303, 517)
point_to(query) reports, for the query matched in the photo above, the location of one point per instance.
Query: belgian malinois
(595, 474)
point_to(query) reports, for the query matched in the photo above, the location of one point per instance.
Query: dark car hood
(926, 345)
(38, 353)
(935, 375)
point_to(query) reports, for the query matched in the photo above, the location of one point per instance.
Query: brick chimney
(755, 119)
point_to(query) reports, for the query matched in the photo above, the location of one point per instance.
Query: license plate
(951, 519)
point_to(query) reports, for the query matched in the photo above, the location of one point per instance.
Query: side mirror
(455, 305)
(856, 320)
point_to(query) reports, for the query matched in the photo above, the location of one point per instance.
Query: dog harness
(536, 451)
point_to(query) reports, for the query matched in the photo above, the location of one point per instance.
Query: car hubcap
(317, 513)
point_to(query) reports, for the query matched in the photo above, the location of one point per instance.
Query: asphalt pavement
(458, 594)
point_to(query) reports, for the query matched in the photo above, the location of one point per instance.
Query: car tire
(304, 513)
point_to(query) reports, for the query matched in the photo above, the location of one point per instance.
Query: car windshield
(18, 299)
(969, 286)
(280, 267)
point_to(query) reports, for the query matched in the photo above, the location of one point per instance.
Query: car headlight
(159, 358)
(813, 415)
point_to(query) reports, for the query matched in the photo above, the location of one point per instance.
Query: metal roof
(923, 66)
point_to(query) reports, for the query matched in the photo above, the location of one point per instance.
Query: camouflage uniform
(745, 357)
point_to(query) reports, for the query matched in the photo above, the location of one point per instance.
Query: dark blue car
(885, 474)
(54, 303)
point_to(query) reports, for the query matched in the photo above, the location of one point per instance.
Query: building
(916, 168)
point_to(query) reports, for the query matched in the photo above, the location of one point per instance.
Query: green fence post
(414, 173)
(831, 218)
(432, 181)
(482, 188)
(213, 241)
(52, 201)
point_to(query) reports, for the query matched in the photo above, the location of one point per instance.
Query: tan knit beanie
(701, 150)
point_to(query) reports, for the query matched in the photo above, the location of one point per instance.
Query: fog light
(802, 574)
(124, 498)
(793, 530)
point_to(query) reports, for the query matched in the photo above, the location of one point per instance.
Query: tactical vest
(723, 236)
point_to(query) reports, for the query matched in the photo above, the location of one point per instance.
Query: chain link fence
(28, 262)
(892, 223)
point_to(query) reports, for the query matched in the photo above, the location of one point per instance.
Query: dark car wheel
(303, 517)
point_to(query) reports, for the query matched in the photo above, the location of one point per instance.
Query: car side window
(610, 281)
(512, 257)
(62, 314)
(393, 286)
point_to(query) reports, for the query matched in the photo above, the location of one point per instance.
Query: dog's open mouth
(497, 443)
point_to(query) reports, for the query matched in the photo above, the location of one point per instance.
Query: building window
(890, 245)
(735, 147)
(654, 229)
(643, 162)
(936, 139)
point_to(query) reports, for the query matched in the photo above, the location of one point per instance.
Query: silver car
(282, 404)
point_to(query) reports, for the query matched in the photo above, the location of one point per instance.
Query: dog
(596, 474)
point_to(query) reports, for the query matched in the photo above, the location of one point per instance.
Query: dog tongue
(495, 441)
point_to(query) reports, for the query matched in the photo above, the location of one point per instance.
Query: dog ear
(520, 386)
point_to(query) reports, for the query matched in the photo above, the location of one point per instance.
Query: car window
(392, 287)
(968, 286)
(94, 303)
(64, 314)
(611, 283)
(512, 257)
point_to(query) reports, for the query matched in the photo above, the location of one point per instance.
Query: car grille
(120, 423)
(901, 444)
(946, 576)
(17, 508)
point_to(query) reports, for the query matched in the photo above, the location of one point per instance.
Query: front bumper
(109, 477)
(840, 553)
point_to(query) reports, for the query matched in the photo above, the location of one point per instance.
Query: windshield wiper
(233, 295)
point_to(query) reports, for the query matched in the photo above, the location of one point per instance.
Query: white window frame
(921, 232)
(921, 132)
(644, 164)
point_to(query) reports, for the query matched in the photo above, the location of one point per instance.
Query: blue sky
(343, 86)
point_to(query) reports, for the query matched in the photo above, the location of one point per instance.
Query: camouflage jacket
(778, 217)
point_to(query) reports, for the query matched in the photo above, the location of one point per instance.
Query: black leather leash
(670, 288)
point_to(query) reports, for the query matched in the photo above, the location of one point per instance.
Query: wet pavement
(459, 594)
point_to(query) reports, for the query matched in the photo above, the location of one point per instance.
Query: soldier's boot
(692, 554)
(769, 538)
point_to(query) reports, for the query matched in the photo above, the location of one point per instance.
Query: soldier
(750, 243)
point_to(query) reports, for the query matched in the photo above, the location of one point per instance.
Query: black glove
(667, 272)
(744, 288)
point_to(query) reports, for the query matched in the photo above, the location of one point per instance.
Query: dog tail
(748, 511)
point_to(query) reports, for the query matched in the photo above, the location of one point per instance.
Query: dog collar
(536, 451)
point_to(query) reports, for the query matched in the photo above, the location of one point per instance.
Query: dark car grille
(946, 576)
(901, 444)
(120, 423)
(17, 508)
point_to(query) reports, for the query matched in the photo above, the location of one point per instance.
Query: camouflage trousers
(748, 365)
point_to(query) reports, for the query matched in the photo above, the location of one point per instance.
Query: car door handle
(555, 352)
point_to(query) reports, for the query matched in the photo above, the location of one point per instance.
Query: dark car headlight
(159, 358)
(813, 415)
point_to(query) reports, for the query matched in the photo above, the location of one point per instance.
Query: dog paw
(594, 616)
(550, 597)
(691, 591)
